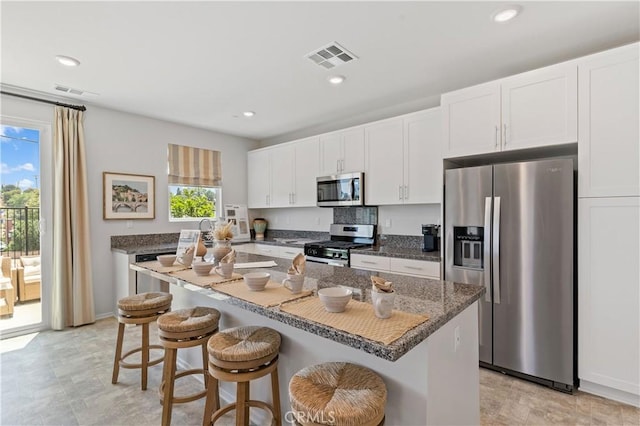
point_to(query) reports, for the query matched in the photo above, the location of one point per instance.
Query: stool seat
(244, 343)
(338, 393)
(144, 301)
(190, 319)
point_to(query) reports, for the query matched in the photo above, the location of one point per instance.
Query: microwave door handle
(487, 248)
(496, 250)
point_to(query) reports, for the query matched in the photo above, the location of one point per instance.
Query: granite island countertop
(441, 300)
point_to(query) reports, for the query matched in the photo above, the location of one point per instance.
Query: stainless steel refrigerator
(510, 227)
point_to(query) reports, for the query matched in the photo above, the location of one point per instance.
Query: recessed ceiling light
(67, 61)
(506, 13)
(248, 113)
(336, 79)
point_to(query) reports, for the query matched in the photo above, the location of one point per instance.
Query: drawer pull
(415, 268)
(368, 262)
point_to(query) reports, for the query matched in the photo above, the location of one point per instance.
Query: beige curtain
(190, 166)
(72, 288)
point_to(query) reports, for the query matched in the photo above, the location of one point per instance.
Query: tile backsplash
(356, 215)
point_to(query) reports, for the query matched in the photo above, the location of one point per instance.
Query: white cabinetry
(533, 109)
(609, 296)
(403, 161)
(342, 152)
(259, 178)
(609, 142)
(418, 268)
(283, 175)
(286, 252)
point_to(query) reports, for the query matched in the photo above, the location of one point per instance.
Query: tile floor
(64, 377)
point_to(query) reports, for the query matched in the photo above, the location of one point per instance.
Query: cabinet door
(423, 157)
(540, 108)
(330, 153)
(370, 263)
(259, 178)
(289, 252)
(282, 172)
(353, 149)
(306, 172)
(419, 268)
(383, 179)
(609, 297)
(471, 120)
(608, 147)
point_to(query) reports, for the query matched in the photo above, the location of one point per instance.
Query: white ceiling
(203, 63)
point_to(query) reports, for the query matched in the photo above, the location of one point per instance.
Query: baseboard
(257, 417)
(105, 315)
(610, 393)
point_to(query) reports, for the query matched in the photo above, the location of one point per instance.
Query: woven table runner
(358, 319)
(156, 266)
(191, 277)
(272, 295)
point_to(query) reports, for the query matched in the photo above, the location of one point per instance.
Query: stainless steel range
(343, 238)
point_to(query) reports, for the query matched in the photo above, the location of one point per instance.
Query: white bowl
(256, 281)
(202, 268)
(335, 299)
(166, 259)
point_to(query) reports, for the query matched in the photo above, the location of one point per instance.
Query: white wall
(127, 143)
(404, 220)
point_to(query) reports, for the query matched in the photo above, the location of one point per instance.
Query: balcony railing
(19, 231)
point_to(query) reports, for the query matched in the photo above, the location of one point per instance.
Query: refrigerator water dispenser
(468, 242)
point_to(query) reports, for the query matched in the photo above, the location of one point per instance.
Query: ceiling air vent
(331, 56)
(69, 90)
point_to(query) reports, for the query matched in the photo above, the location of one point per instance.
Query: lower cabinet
(269, 250)
(609, 297)
(418, 268)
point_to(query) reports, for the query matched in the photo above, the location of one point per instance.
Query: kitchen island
(431, 372)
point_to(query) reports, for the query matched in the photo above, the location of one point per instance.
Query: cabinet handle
(400, 192)
(415, 268)
(293, 198)
(496, 126)
(267, 199)
(368, 262)
(406, 192)
(504, 126)
(342, 165)
(337, 165)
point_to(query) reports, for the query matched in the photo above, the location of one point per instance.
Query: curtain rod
(46, 101)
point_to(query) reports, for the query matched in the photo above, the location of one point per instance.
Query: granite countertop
(441, 300)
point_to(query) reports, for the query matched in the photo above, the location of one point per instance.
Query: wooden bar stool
(337, 393)
(143, 308)
(185, 328)
(242, 354)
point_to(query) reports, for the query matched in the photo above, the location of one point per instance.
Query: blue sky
(19, 157)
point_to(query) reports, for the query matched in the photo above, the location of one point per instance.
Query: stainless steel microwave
(341, 190)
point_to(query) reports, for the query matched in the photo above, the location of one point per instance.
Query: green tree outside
(25, 235)
(192, 202)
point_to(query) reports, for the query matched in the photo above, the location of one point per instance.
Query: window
(195, 179)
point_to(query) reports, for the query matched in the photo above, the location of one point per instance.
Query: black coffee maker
(430, 234)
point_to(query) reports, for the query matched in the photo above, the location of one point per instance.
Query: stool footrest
(251, 403)
(186, 398)
(125, 364)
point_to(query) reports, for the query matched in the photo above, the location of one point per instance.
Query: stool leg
(168, 379)
(275, 395)
(118, 355)
(205, 362)
(212, 401)
(145, 354)
(242, 408)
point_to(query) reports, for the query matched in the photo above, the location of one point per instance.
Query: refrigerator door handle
(496, 250)
(487, 249)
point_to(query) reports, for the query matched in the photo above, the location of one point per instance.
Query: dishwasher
(145, 283)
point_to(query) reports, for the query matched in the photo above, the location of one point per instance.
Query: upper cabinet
(533, 109)
(403, 160)
(283, 175)
(342, 152)
(609, 140)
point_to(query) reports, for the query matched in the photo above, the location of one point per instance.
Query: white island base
(435, 383)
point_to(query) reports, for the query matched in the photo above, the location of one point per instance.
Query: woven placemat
(272, 295)
(358, 319)
(191, 277)
(156, 266)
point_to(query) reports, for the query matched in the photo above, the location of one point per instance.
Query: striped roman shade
(190, 166)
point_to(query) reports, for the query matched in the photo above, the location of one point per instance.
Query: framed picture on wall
(128, 196)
